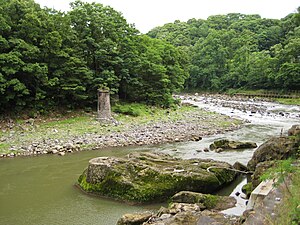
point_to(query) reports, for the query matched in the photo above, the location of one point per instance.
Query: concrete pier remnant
(104, 110)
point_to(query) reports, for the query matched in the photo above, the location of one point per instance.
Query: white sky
(151, 13)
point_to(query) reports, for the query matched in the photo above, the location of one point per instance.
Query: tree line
(51, 59)
(238, 51)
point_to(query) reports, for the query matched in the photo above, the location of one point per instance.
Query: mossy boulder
(225, 144)
(277, 148)
(247, 189)
(152, 177)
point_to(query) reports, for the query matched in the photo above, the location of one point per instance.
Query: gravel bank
(192, 126)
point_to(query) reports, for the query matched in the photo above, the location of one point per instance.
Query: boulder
(227, 145)
(260, 169)
(278, 148)
(207, 201)
(294, 130)
(241, 167)
(152, 177)
(189, 214)
(134, 219)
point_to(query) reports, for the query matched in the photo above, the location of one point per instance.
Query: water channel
(40, 190)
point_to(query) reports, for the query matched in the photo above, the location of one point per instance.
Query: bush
(133, 109)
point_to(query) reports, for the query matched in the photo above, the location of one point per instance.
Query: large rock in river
(149, 177)
(228, 144)
(277, 148)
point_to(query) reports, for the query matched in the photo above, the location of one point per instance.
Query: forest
(51, 59)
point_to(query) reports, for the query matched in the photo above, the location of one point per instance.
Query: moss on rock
(149, 177)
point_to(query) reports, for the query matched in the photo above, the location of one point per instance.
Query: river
(40, 190)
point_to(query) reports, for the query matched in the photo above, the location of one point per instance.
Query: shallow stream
(40, 190)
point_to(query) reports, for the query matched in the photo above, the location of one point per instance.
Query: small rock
(54, 151)
(218, 150)
(58, 147)
(61, 153)
(132, 219)
(165, 216)
(69, 146)
(206, 150)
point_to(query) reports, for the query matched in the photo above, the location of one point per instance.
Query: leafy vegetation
(287, 172)
(50, 59)
(238, 51)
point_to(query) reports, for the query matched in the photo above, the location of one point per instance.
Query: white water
(264, 120)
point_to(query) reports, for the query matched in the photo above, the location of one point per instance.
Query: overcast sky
(151, 13)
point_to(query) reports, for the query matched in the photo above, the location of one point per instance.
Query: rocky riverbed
(191, 126)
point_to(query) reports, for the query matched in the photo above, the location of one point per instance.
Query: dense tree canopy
(238, 51)
(50, 59)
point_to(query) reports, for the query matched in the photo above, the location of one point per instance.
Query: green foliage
(247, 189)
(238, 51)
(289, 211)
(133, 109)
(52, 59)
(280, 172)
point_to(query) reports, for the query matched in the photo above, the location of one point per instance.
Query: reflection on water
(40, 190)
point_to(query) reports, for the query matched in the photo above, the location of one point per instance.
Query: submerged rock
(225, 144)
(149, 177)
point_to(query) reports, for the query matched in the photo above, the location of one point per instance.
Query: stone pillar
(104, 111)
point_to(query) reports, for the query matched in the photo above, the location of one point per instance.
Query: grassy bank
(287, 176)
(128, 117)
(289, 210)
(288, 101)
(294, 100)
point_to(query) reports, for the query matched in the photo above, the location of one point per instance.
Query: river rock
(278, 148)
(294, 130)
(241, 167)
(149, 177)
(206, 201)
(134, 219)
(226, 144)
(61, 153)
(189, 214)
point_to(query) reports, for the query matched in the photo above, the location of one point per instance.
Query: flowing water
(40, 190)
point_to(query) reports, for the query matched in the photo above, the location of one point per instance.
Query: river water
(40, 190)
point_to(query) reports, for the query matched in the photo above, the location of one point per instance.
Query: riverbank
(81, 131)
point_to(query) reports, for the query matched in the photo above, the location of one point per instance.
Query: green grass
(289, 211)
(287, 172)
(288, 101)
(64, 127)
(4, 147)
